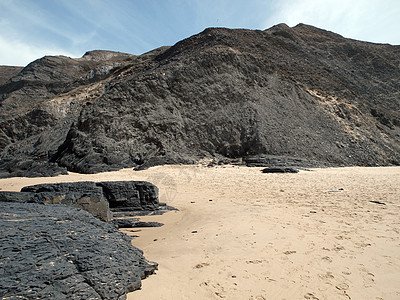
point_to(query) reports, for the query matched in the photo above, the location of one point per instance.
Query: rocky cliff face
(6, 72)
(302, 94)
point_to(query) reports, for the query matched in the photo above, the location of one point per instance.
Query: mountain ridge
(301, 93)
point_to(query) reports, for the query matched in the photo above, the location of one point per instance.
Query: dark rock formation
(279, 170)
(6, 72)
(18, 197)
(33, 118)
(85, 195)
(56, 252)
(134, 223)
(52, 75)
(282, 161)
(301, 94)
(162, 209)
(130, 195)
(60, 252)
(95, 197)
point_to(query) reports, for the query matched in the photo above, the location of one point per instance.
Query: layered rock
(52, 249)
(95, 197)
(6, 72)
(60, 252)
(302, 94)
(279, 170)
(130, 195)
(43, 99)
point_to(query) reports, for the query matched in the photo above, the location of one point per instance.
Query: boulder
(85, 195)
(98, 198)
(130, 195)
(60, 252)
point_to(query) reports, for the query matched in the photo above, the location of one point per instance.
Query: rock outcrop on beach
(60, 252)
(279, 170)
(51, 249)
(98, 198)
(301, 96)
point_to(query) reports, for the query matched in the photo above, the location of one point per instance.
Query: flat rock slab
(85, 195)
(61, 252)
(279, 170)
(98, 198)
(134, 223)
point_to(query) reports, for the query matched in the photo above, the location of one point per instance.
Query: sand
(242, 234)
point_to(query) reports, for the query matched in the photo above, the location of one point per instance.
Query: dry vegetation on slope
(307, 96)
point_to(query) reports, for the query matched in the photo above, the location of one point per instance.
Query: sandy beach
(240, 234)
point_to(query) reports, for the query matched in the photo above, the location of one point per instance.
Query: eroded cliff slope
(302, 94)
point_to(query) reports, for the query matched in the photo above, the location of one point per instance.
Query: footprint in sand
(216, 288)
(327, 275)
(327, 258)
(201, 265)
(310, 296)
(368, 277)
(258, 297)
(342, 286)
(362, 245)
(338, 248)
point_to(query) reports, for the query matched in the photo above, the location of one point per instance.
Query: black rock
(279, 170)
(147, 224)
(130, 195)
(291, 97)
(125, 223)
(98, 198)
(138, 213)
(275, 161)
(378, 202)
(134, 223)
(6, 72)
(60, 252)
(19, 197)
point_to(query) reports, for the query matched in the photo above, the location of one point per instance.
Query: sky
(31, 29)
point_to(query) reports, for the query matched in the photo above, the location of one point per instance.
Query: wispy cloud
(17, 53)
(30, 29)
(28, 32)
(370, 20)
(30, 16)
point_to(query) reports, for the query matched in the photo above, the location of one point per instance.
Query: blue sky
(30, 29)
